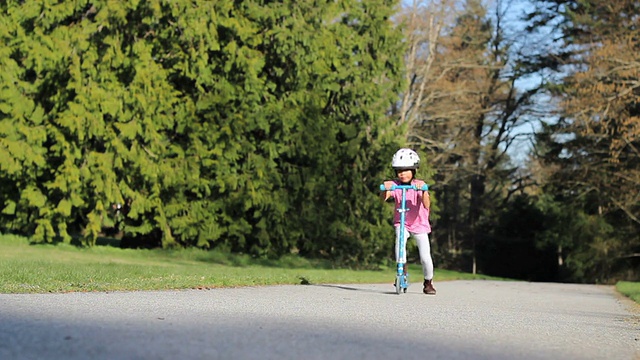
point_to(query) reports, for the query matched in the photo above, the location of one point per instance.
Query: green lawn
(26, 268)
(629, 289)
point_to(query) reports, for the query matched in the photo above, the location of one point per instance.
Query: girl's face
(405, 176)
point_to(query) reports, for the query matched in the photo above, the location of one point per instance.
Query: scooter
(402, 283)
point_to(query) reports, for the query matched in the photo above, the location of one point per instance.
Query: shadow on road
(355, 289)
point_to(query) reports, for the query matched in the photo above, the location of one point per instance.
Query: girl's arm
(426, 199)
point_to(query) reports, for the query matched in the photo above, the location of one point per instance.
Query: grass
(27, 268)
(629, 289)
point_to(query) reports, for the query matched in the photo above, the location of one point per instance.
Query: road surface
(465, 320)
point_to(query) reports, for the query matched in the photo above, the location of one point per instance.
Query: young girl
(405, 163)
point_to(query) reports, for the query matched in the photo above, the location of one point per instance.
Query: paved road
(466, 320)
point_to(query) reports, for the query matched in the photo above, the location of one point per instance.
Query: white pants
(424, 248)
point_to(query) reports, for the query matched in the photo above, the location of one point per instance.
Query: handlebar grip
(425, 187)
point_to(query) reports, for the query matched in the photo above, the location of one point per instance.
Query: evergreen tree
(248, 125)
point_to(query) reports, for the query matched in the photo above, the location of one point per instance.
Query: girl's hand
(419, 184)
(388, 185)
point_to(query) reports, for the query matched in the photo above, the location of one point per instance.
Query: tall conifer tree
(250, 125)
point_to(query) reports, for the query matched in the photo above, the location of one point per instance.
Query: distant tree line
(264, 127)
(562, 74)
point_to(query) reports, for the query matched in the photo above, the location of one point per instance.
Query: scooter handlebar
(425, 187)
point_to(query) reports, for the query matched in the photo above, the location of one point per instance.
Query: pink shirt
(417, 216)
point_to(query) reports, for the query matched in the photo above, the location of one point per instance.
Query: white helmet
(405, 159)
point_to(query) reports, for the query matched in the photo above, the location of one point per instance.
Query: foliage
(602, 101)
(594, 242)
(463, 109)
(246, 125)
(264, 128)
(590, 155)
(512, 242)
